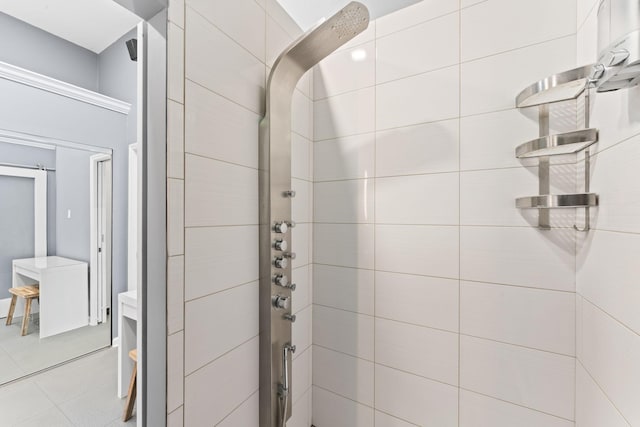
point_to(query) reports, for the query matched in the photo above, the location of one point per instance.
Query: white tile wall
(348, 114)
(415, 399)
(348, 201)
(537, 318)
(511, 72)
(243, 21)
(219, 128)
(421, 300)
(422, 351)
(609, 353)
(344, 158)
(217, 76)
(207, 320)
(344, 245)
(477, 410)
(219, 193)
(607, 316)
(344, 375)
(418, 199)
(499, 25)
(531, 378)
(405, 52)
(427, 148)
(351, 69)
(236, 370)
(593, 407)
(425, 250)
(344, 331)
(330, 409)
(519, 256)
(410, 101)
(349, 289)
(239, 77)
(421, 120)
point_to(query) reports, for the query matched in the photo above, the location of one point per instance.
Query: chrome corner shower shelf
(568, 85)
(558, 201)
(558, 144)
(558, 87)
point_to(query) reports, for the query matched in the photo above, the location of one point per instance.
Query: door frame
(100, 287)
(40, 216)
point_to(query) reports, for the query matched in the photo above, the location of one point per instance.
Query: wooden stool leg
(12, 308)
(131, 398)
(25, 319)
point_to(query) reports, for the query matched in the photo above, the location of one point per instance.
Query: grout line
(374, 183)
(515, 404)
(211, 362)
(237, 407)
(612, 317)
(459, 203)
(603, 392)
(226, 98)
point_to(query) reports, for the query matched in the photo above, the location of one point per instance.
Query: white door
(100, 270)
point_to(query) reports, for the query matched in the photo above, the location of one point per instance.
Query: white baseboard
(116, 342)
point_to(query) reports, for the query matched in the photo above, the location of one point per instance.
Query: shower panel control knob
(281, 280)
(281, 227)
(290, 255)
(280, 245)
(280, 262)
(280, 302)
(291, 318)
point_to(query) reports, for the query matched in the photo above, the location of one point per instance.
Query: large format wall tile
(500, 25)
(218, 128)
(240, 77)
(610, 352)
(426, 148)
(409, 101)
(531, 378)
(218, 258)
(405, 53)
(530, 317)
(421, 300)
(418, 199)
(519, 256)
(207, 320)
(416, 399)
(417, 249)
(427, 352)
(492, 83)
(344, 71)
(237, 370)
(477, 410)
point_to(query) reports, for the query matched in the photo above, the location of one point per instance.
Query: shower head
(323, 39)
(132, 47)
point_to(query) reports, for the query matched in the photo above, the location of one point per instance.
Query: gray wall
(29, 47)
(25, 155)
(72, 174)
(117, 78)
(16, 225)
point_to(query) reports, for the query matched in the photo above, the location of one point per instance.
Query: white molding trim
(49, 84)
(19, 138)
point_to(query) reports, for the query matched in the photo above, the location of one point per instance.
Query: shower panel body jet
(276, 247)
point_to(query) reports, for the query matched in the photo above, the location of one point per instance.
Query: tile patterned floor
(81, 393)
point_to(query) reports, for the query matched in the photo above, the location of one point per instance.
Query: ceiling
(92, 24)
(308, 12)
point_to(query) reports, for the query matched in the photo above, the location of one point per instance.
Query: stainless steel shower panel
(276, 317)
